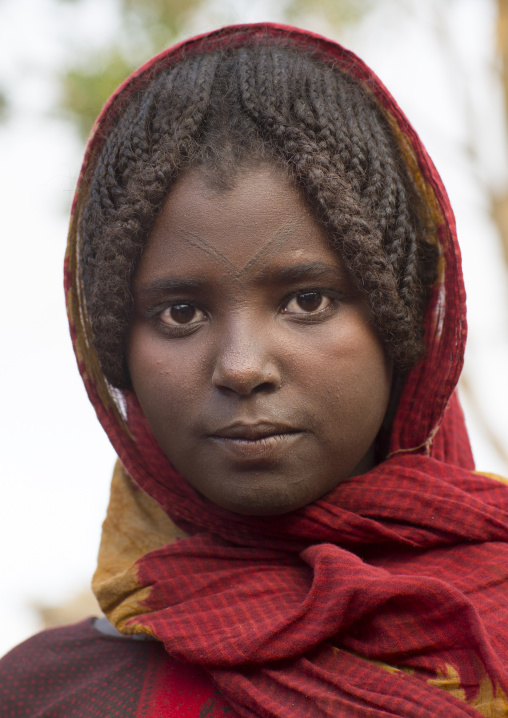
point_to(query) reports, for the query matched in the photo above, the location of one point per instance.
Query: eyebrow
(308, 270)
(171, 284)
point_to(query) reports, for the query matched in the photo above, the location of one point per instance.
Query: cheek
(146, 366)
(370, 373)
(352, 376)
(158, 380)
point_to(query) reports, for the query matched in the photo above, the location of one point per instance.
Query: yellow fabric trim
(135, 524)
(496, 477)
(489, 702)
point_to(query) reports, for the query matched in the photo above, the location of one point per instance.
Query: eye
(308, 303)
(181, 314)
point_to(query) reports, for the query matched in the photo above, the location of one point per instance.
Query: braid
(226, 110)
(141, 158)
(324, 180)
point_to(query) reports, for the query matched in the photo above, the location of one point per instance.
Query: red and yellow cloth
(388, 596)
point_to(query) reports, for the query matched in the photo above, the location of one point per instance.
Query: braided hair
(229, 109)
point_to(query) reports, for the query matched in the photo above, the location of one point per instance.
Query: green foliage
(84, 91)
(145, 28)
(336, 12)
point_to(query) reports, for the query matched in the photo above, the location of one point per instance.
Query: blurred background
(446, 62)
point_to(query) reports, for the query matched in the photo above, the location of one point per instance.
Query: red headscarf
(389, 595)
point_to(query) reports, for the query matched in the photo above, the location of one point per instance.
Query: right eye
(181, 314)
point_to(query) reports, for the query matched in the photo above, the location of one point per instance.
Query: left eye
(307, 303)
(181, 314)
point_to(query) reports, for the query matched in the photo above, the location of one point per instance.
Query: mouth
(255, 441)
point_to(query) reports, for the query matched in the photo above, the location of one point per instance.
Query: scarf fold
(418, 598)
(389, 595)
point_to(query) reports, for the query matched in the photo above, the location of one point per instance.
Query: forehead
(262, 221)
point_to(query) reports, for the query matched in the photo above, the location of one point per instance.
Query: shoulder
(60, 666)
(77, 671)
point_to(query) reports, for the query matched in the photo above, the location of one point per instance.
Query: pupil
(182, 313)
(309, 301)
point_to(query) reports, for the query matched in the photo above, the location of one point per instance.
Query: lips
(253, 431)
(262, 440)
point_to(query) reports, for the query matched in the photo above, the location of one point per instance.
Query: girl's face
(251, 351)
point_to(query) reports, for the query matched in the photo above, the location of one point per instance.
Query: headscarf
(388, 595)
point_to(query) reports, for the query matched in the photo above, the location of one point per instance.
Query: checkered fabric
(78, 672)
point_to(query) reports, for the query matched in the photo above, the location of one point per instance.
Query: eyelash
(177, 330)
(332, 295)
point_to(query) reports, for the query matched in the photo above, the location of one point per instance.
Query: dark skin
(251, 351)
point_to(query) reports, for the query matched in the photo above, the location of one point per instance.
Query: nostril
(265, 386)
(245, 383)
(245, 389)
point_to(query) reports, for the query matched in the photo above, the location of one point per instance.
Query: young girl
(266, 303)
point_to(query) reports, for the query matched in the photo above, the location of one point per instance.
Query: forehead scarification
(255, 264)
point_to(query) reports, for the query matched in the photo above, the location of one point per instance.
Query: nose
(245, 361)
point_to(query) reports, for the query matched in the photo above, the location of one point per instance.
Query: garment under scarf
(389, 595)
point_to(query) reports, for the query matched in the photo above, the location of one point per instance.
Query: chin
(261, 503)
